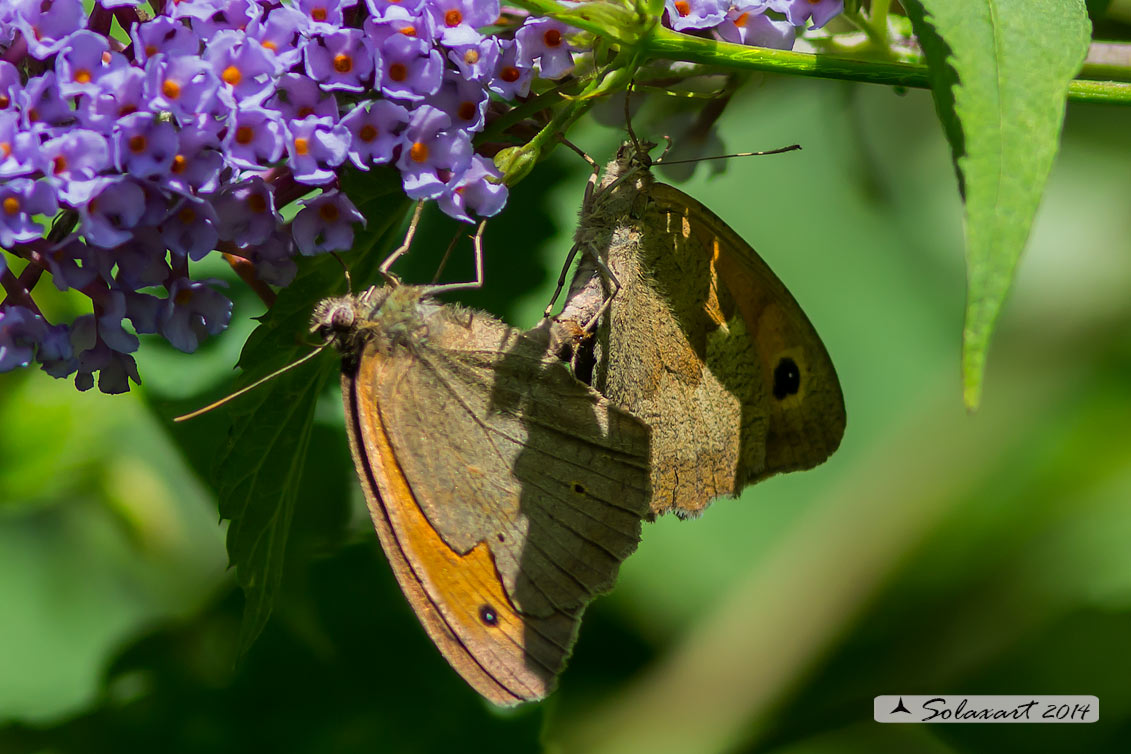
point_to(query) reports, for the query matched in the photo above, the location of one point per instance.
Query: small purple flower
(72, 163)
(119, 93)
(797, 12)
(543, 39)
(55, 353)
(19, 149)
(143, 311)
(246, 212)
(314, 147)
(246, 71)
(255, 138)
(297, 97)
(474, 192)
(430, 154)
(46, 24)
(21, 199)
(476, 61)
(753, 27)
(695, 14)
(184, 85)
(197, 166)
(409, 72)
(325, 224)
(282, 32)
(399, 20)
(43, 105)
(163, 36)
(457, 21)
(196, 10)
(375, 131)
(21, 331)
(109, 316)
(272, 258)
(511, 79)
(114, 369)
(380, 8)
(341, 60)
(192, 312)
(139, 262)
(190, 229)
(144, 145)
(85, 59)
(114, 208)
(10, 86)
(464, 101)
(229, 16)
(325, 15)
(63, 262)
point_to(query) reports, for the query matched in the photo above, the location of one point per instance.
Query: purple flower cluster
(762, 23)
(145, 156)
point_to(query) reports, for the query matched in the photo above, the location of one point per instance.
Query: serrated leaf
(258, 471)
(1000, 71)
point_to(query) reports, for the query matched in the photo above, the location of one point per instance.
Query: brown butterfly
(504, 492)
(697, 337)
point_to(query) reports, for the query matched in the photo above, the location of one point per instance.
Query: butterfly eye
(488, 615)
(787, 378)
(342, 319)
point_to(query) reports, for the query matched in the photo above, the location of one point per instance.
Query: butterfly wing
(803, 403)
(467, 449)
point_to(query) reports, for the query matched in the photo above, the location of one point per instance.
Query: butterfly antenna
(250, 387)
(477, 241)
(628, 122)
(790, 148)
(346, 270)
(399, 252)
(447, 255)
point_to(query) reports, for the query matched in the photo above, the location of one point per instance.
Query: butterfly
(696, 336)
(504, 492)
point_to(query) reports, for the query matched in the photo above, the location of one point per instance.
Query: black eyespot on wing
(787, 378)
(488, 615)
(578, 488)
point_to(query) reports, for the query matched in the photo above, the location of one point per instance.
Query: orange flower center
(466, 111)
(59, 164)
(171, 89)
(82, 76)
(179, 164)
(682, 7)
(367, 133)
(245, 135)
(471, 57)
(138, 144)
(187, 215)
(509, 74)
(302, 146)
(257, 203)
(232, 76)
(453, 17)
(418, 152)
(329, 212)
(398, 72)
(552, 38)
(740, 22)
(343, 63)
(11, 205)
(409, 31)
(318, 14)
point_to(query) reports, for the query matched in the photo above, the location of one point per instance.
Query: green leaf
(259, 469)
(1000, 71)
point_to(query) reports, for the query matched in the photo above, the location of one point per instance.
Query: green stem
(665, 43)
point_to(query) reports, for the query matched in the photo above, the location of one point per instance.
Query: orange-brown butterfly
(696, 336)
(504, 492)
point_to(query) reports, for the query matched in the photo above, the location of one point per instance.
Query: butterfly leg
(604, 268)
(586, 204)
(399, 252)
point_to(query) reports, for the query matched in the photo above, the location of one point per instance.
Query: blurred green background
(936, 552)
